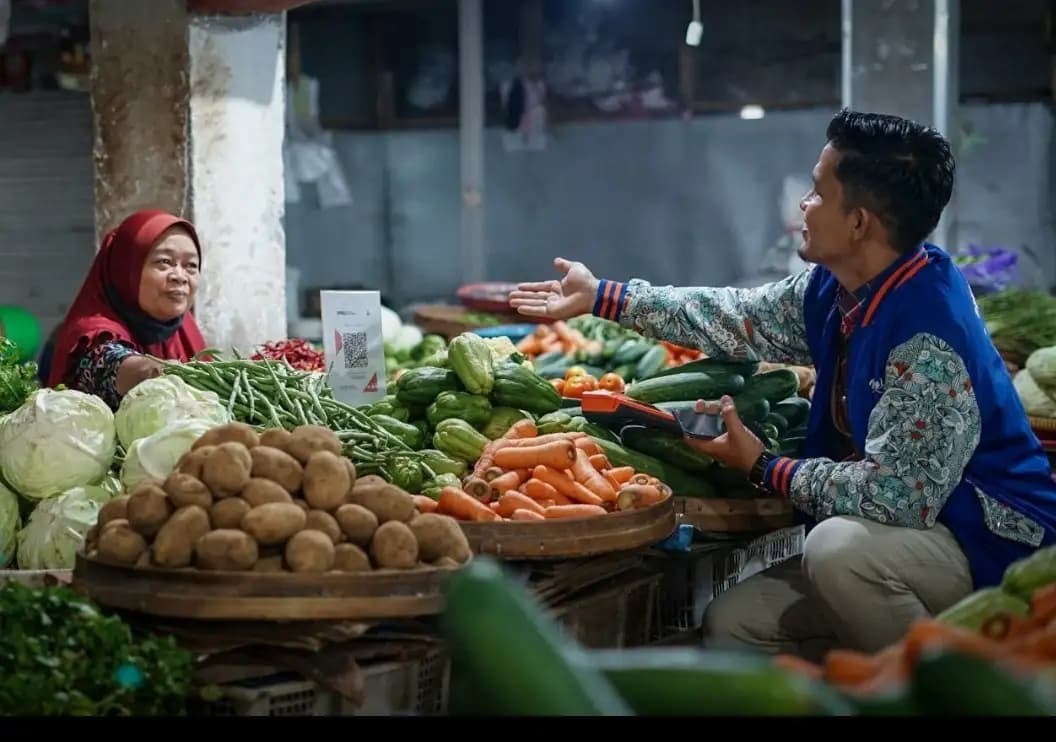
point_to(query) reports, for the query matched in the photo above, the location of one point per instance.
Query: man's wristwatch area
(773, 474)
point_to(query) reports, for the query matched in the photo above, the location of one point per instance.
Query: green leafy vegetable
(1020, 322)
(17, 380)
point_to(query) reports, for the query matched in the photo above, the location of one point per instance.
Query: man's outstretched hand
(737, 448)
(570, 297)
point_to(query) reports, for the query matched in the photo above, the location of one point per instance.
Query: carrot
(565, 486)
(847, 668)
(556, 455)
(635, 496)
(641, 479)
(522, 429)
(458, 504)
(799, 666)
(478, 488)
(1043, 604)
(530, 346)
(612, 481)
(538, 441)
(493, 472)
(539, 490)
(494, 505)
(511, 480)
(600, 462)
(927, 634)
(588, 476)
(588, 445)
(563, 331)
(574, 511)
(512, 501)
(520, 514)
(487, 459)
(425, 504)
(621, 474)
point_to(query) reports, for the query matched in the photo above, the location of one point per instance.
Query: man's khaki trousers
(858, 585)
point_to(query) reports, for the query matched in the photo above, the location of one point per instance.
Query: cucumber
(651, 363)
(554, 370)
(484, 609)
(626, 371)
(545, 359)
(666, 447)
(610, 347)
(568, 403)
(773, 386)
(960, 684)
(682, 483)
(630, 352)
(794, 409)
(979, 607)
(778, 421)
(683, 682)
(714, 366)
(751, 411)
(1022, 578)
(791, 446)
(685, 387)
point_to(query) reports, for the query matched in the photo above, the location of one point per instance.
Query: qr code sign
(354, 347)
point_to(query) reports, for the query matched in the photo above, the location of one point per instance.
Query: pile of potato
(274, 502)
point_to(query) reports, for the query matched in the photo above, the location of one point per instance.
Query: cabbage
(112, 485)
(1042, 367)
(55, 441)
(57, 527)
(10, 522)
(151, 405)
(156, 456)
(1035, 401)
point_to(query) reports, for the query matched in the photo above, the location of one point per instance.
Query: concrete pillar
(189, 117)
(901, 57)
(471, 135)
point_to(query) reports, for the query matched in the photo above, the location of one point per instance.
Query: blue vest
(1009, 464)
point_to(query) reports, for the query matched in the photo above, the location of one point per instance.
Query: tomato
(575, 371)
(558, 384)
(590, 381)
(575, 387)
(612, 383)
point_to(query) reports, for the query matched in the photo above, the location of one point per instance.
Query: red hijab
(108, 303)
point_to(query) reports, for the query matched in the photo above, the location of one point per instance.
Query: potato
(226, 549)
(193, 461)
(310, 551)
(226, 471)
(144, 559)
(148, 508)
(174, 545)
(386, 501)
(307, 439)
(231, 432)
(120, 544)
(262, 491)
(274, 522)
(228, 513)
(114, 509)
(320, 520)
(299, 502)
(357, 523)
(278, 466)
(91, 537)
(184, 490)
(114, 523)
(272, 563)
(351, 558)
(446, 563)
(325, 481)
(351, 477)
(394, 546)
(439, 536)
(275, 438)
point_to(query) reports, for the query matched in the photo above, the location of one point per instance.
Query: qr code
(354, 346)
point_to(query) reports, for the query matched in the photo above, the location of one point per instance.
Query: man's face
(827, 227)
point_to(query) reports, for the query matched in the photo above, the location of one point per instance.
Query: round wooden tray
(268, 596)
(573, 538)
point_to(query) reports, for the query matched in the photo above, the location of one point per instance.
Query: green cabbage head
(55, 441)
(56, 528)
(151, 405)
(155, 457)
(10, 522)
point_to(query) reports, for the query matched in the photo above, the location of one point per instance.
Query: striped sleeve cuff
(779, 475)
(610, 299)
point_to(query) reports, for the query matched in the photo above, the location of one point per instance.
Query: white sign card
(353, 345)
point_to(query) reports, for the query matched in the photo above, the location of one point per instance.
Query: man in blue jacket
(922, 479)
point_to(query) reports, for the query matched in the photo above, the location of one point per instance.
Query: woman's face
(170, 276)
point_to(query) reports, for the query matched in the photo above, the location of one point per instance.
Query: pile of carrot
(556, 337)
(1022, 645)
(678, 355)
(525, 476)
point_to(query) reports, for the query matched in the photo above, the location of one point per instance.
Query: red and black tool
(617, 411)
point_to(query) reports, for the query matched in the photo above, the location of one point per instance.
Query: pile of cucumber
(768, 403)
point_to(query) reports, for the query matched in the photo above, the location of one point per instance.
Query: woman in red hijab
(136, 302)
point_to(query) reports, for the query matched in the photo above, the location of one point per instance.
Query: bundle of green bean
(273, 394)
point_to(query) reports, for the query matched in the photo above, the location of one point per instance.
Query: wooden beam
(242, 7)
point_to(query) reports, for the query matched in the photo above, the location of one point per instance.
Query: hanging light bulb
(695, 29)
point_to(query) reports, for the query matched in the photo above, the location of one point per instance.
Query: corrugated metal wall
(46, 201)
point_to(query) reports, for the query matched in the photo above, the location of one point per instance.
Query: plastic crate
(762, 553)
(407, 688)
(620, 614)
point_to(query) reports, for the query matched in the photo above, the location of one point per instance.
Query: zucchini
(715, 367)
(630, 352)
(484, 609)
(979, 607)
(651, 363)
(1022, 578)
(945, 683)
(677, 682)
(685, 387)
(682, 483)
(794, 409)
(773, 386)
(778, 421)
(666, 447)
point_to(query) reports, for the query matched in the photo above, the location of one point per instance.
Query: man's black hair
(898, 169)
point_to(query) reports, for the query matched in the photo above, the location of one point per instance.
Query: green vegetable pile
(62, 657)
(1036, 384)
(617, 350)
(1020, 322)
(17, 380)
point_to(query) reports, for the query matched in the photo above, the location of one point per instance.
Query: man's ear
(862, 221)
